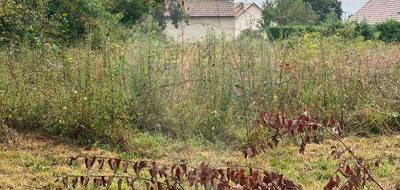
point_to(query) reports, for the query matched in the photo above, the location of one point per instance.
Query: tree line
(300, 12)
(70, 21)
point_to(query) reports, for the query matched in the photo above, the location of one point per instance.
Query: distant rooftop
(198, 8)
(375, 11)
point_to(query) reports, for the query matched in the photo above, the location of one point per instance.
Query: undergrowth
(212, 89)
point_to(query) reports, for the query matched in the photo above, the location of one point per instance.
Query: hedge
(388, 31)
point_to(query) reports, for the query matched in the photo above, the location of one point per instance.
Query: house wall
(198, 27)
(248, 20)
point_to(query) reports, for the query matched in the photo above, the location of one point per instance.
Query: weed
(211, 89)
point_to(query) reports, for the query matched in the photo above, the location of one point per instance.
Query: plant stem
(355, 157)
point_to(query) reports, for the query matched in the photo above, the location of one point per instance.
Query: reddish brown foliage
(354, 176)
(279, 126)
(347, 176)
(337, 153)
(176, 176)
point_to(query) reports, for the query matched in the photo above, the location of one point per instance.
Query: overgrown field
(98, 80)
(166, 101)
(212, 89)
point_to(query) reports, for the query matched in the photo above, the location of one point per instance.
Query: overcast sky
(349, 6)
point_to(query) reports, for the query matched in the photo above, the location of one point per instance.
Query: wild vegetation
(181, 175)
(300, 12)
(111, 79)
(387, 31)
(211, 89)
(174, 177)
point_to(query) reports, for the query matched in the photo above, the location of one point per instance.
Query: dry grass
(36, 162)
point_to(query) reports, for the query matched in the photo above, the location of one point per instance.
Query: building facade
(222, 17)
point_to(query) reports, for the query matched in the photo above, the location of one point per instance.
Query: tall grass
(211, 89)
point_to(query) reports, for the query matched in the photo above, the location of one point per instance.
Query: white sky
(349, 6)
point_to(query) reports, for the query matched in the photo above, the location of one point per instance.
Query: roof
(222, 8)
(242, 7)
(375, 11)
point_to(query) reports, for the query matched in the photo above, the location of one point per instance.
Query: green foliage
(332, 25)
(299, 13)
(65, 22)
(131, 10)
(176, 14)
(365, 30)
(77, 18)
(24, 21)
(325, 7)
(287, 12)
(283, 32)
(56, 22)
(212, 89)
(389, 31)
(386, 31)
(268, 14)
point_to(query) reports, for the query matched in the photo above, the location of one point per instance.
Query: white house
(223, 17)
(247, 16)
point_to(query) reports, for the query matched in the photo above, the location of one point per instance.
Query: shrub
(389, 31)
(365, 30)
(283, 32)
(55, 22)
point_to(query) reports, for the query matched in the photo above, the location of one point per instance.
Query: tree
(287, 12)
(51, 21)
(133, 10)
(324, 7)
(130, 10)
(23, 20)
(78, 18)
(299, 13)
(71, 21)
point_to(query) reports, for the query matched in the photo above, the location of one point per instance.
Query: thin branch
(355, 157)
(126, 177)
(129, 161)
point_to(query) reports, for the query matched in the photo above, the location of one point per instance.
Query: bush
(283, 32)
(365, 30)
(55, 22)
(389, 31)
(23, 21)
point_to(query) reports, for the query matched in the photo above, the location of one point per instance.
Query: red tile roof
(375, 11)
(211, 8)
